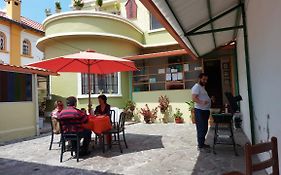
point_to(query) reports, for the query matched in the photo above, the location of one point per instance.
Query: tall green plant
(99, 2)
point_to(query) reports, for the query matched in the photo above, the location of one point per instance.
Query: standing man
(202, 110)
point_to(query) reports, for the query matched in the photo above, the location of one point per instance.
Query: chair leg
(232, 138)
(119, 143)
(62, 149)
(96, 139)
(77, 149)
(103, 144)
(60, 141)
(52, 139)
(215, 137)
(124, 138)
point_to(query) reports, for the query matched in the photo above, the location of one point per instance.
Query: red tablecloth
(98, 124)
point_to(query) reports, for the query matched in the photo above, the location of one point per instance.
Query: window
(2, 41)
(166, 73)
(107, 84)
(26, 47)
(131, 9)
(15, 87)
(154, 23)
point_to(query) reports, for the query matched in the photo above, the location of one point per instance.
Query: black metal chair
(113, 123)
(118, 128)
(70, 136)
(226, 119)
(53, 134)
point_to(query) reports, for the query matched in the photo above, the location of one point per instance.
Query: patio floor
(153, 149)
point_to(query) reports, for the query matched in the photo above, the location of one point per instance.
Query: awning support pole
(248, 72)
(216, 30)
(213, 19)
(212, 25)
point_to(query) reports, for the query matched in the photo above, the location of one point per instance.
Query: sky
(35, 9)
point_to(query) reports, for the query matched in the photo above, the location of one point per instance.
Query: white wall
(264, 32)
(5, 56)
(36, 54)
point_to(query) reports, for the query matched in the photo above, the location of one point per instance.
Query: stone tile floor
(153, 149)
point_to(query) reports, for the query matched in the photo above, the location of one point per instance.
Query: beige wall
(177, 100)
(17, 120)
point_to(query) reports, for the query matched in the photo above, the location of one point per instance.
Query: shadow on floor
(12, 167)
(224, 160)
(136, 143)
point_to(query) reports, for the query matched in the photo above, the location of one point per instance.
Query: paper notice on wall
(180, 77)
(174, 76)
(161, 71)
(186, 67)
(198, 68)
(168, 77)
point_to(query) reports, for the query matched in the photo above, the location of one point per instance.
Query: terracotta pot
(192, 116)
(178, 120)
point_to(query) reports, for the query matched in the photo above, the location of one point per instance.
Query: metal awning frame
(241, 14)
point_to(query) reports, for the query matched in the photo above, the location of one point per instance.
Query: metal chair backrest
(262, 148)
(122, 119)
(233, 101)
(68, 124)
(112, 116)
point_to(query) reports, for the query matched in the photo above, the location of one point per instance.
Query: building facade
(19, 85)
(18, 36)
(132, 32)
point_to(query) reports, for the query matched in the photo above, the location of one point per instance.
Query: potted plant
(48, 12)
(163, 106)
(178, 116)
(129, 109)
(58, 7)
(99, 4)
(149, 115)
(117, 6)
(191, 109)
(78, 4)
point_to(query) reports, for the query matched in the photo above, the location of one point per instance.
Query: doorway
(214, 86)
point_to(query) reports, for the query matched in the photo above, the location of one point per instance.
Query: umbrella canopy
(86, 62)
(89, 62)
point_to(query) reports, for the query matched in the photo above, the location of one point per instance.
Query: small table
(98, 124)
(223, 119)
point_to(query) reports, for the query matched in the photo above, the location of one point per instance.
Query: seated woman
(103, 108)
(54, 115)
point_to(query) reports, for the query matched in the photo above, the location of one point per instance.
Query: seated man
(74, 115)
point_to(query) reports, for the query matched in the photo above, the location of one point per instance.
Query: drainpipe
(35, 100)
(130, 86)
(248, 72)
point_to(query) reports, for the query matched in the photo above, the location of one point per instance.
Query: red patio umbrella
(89, 62)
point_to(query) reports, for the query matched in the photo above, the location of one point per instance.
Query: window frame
(80, 95)
(29, 48)
(5, 41)
(150, 24)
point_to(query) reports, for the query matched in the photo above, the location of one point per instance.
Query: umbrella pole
(89, 90)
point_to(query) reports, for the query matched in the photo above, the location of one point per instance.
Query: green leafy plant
(129, 109)
(178, 114)
(163, 103)
(117, 6)
(190, 104)
(99, 2)
(149, 114)
(58, 5)
(78, 4)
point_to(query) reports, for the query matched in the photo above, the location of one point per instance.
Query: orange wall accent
(15, 45)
